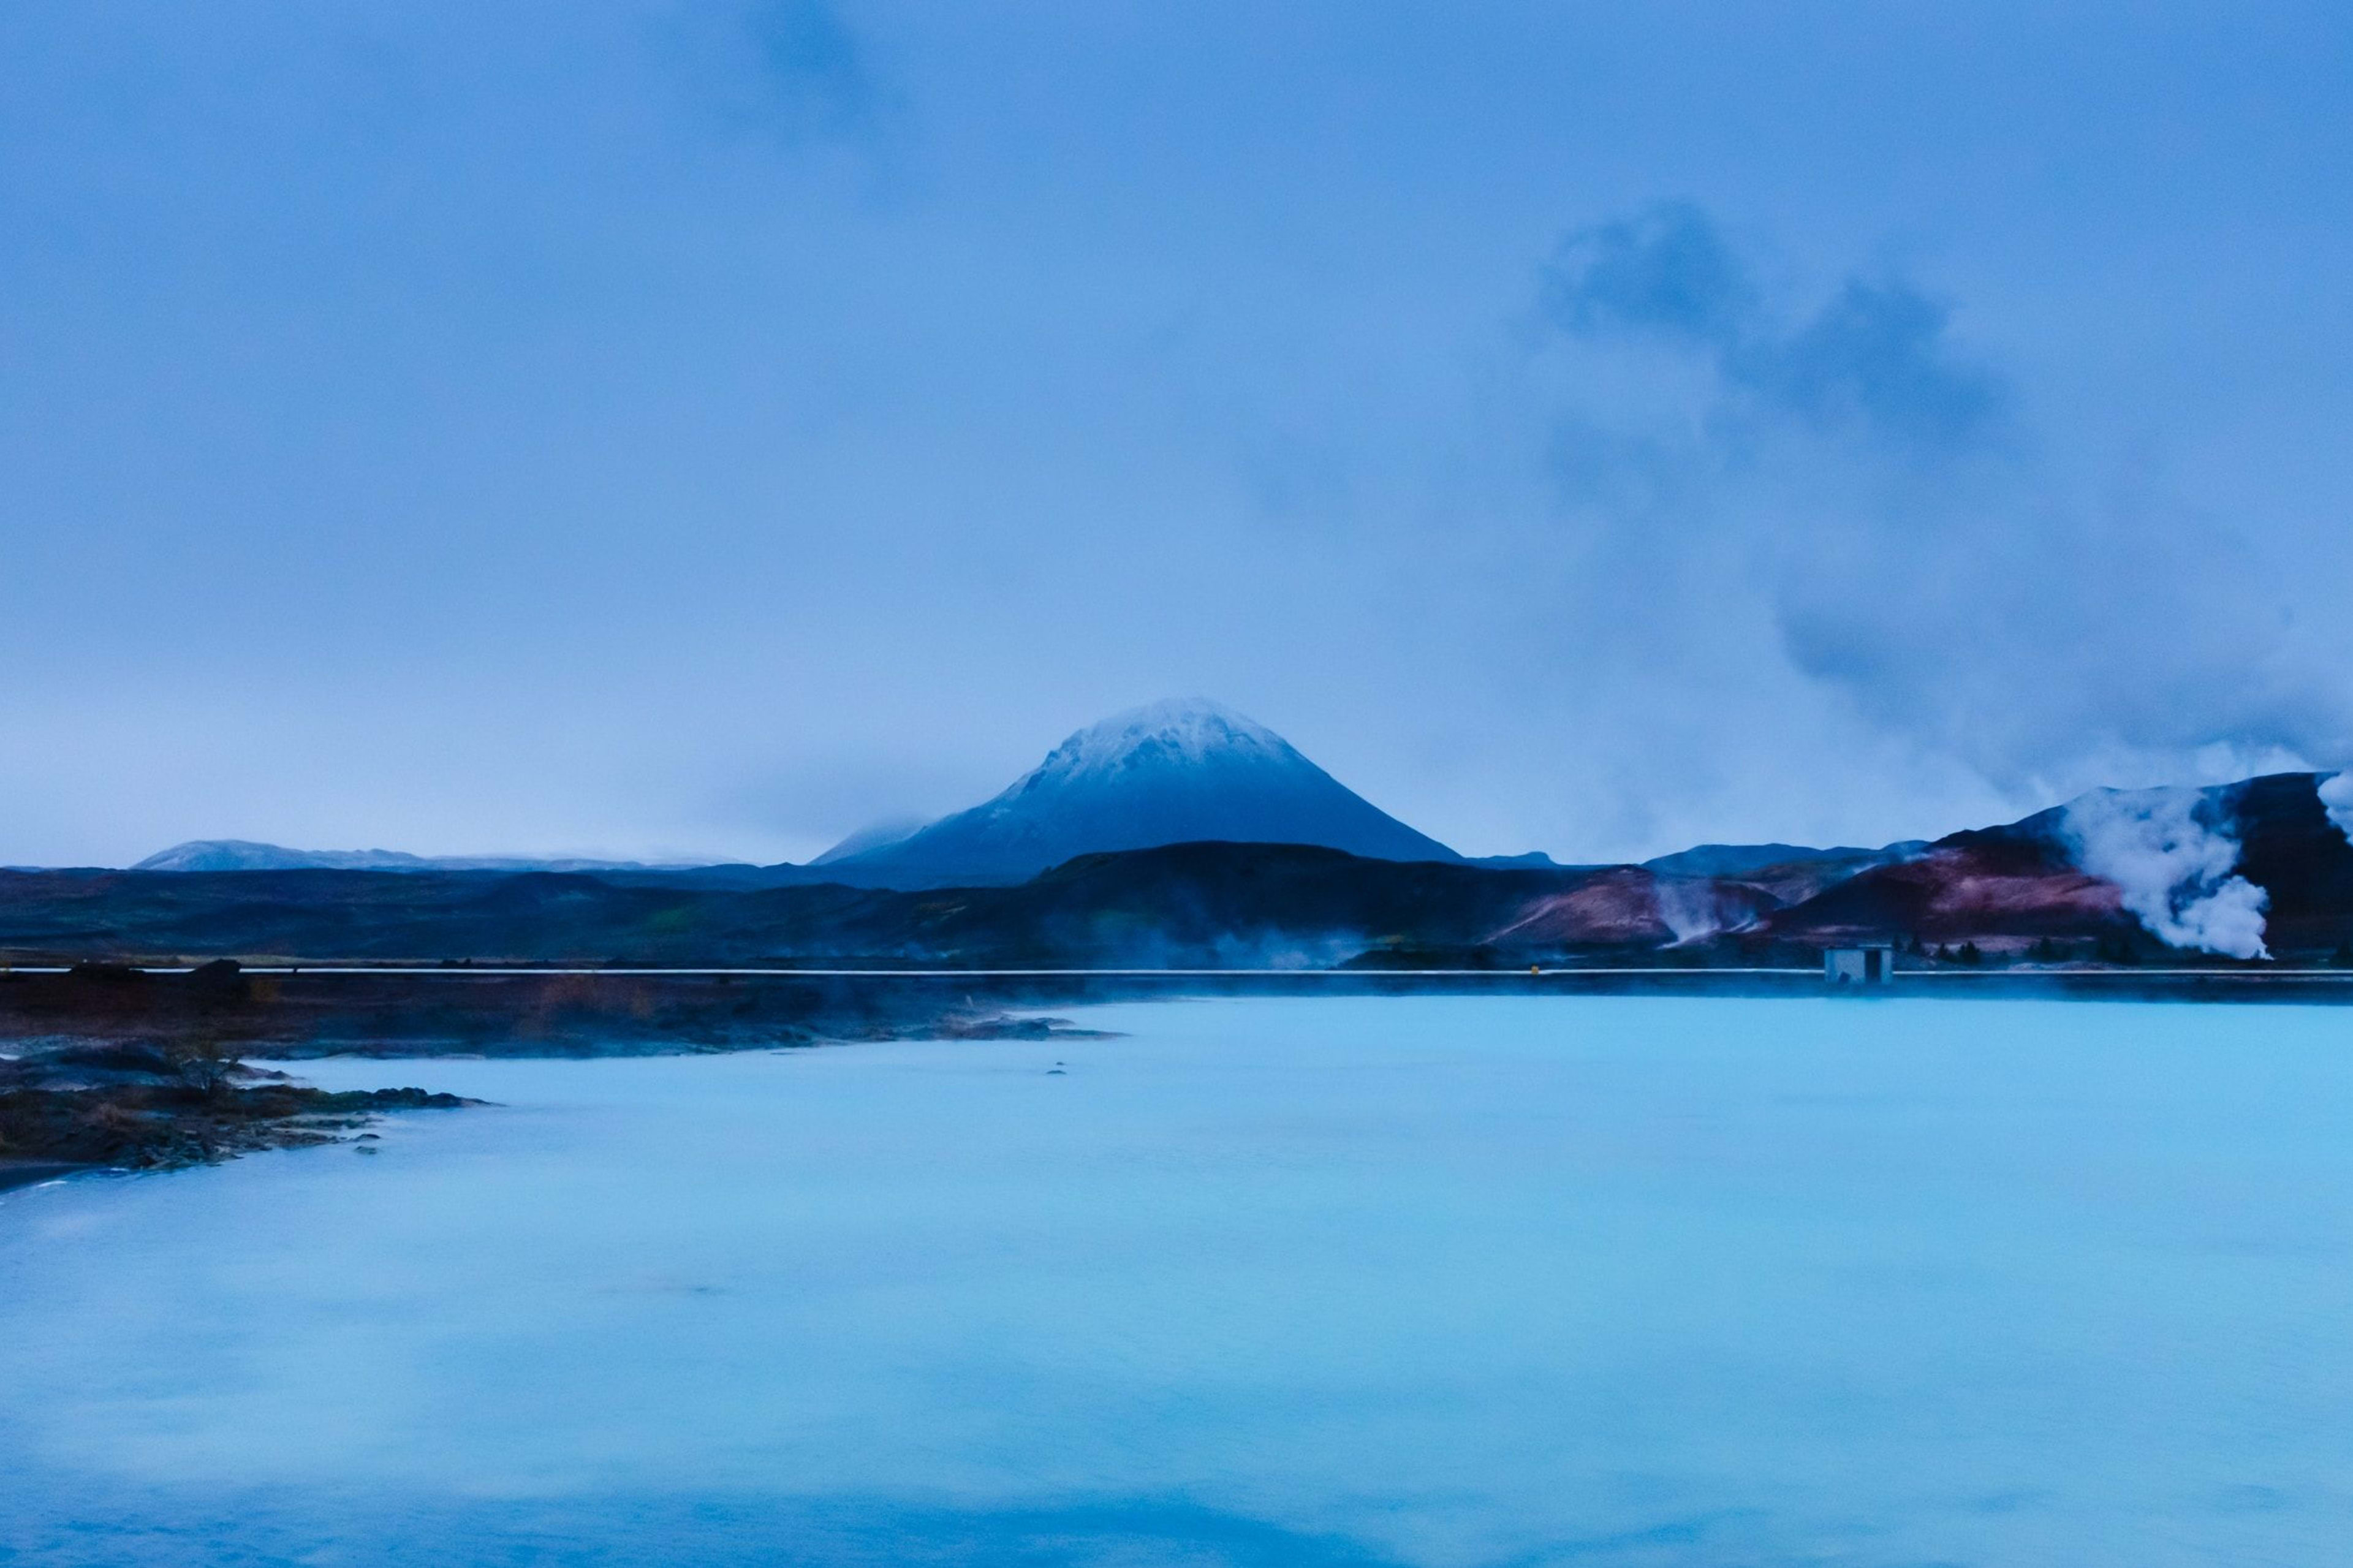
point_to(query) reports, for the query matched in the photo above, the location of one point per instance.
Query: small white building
(1872, 963)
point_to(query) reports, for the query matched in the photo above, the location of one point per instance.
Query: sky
(699, 430)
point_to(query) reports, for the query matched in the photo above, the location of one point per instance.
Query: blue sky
(665, 428)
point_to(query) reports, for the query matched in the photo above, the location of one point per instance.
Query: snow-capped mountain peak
(1179, 733)
(1169, 772)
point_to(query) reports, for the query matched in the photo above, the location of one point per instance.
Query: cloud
(790, 69)
(1852, 478)
(1877, 355)
(2174, 865)
(1667, 271)
(815, 63)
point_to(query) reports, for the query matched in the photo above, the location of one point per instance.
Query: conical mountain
(1172, 773)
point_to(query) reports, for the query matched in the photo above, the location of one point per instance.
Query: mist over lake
(1428, 1280)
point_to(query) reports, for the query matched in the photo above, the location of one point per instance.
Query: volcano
(1173, 772)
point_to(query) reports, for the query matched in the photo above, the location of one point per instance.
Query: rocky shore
(138, 1105)
(107, 1066)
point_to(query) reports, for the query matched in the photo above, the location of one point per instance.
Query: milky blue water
(1428, 1281)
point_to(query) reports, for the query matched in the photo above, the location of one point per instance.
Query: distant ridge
(246, 855)
(1740, 860)
(1172, 773)
(2256, 872)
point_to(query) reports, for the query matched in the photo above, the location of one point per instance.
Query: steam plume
(2337, 795)
(2173, 866)
(1688, 908)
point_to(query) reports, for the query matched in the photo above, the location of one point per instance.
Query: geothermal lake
(1375, 1282)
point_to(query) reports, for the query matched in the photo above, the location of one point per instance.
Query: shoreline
(116, 1067)
(16, 1174)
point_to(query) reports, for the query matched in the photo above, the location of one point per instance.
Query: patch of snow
(1180, 732)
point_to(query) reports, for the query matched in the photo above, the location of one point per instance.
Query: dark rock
(138, 1106)
(91, 972)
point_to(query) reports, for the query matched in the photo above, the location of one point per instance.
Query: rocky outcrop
(141, 1106)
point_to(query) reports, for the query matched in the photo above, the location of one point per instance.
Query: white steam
(2175, 872)
(1687, 908)
(2337, 795)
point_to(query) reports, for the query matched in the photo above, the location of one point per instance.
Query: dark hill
(1231, 904)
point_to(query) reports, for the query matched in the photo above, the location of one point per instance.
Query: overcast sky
(703, 429)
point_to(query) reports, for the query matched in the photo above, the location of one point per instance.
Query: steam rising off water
(1434, 1281)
